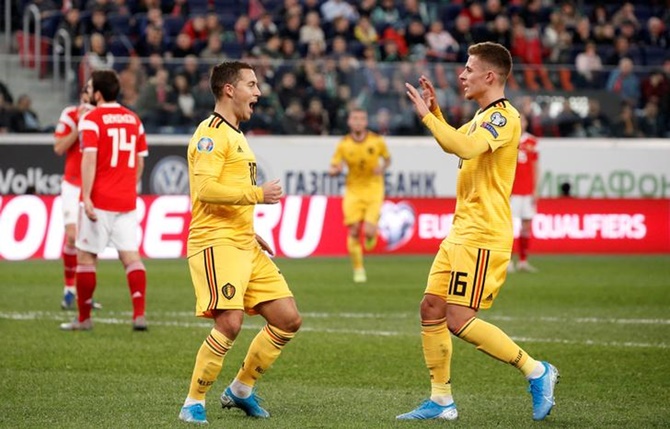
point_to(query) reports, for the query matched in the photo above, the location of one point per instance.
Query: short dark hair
(226, 73)
(495, 55)
(107, 83)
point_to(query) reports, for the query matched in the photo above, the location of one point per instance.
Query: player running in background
(230, 270)
(114, 146)
(66, 142)
(524, 195)
(366, 157)
(471, 264)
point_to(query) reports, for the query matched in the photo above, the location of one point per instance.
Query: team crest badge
(498, 119)
(228, 291)
(205, 145)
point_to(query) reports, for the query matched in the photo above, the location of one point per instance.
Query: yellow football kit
(471, 264)
(228, 268)
(364, 193)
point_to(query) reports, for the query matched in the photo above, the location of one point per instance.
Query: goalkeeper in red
(471, 264)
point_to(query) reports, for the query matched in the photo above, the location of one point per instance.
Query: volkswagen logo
(170, 177)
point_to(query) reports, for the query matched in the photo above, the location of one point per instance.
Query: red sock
(523, 248)
(69, 264)
(137, 283)
(86, 282)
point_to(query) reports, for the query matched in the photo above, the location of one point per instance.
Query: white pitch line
(44, 315)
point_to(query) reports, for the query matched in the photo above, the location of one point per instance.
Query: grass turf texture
(603, 321)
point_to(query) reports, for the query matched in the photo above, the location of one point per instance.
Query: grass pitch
(603, 321)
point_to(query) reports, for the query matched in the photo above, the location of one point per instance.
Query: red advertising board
(297, 227)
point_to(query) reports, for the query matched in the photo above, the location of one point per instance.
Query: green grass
(603, 321)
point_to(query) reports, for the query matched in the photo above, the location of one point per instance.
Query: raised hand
(428, 93)
(419, 104)
(272, 192)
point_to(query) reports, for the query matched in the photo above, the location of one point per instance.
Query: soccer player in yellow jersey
(230, 270)
(471, 264)
(366, 158)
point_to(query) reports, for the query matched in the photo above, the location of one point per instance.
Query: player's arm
(212, 192)
(336, 162)
(88, 164)
(449, 139)
(63, 143)
(140, 168)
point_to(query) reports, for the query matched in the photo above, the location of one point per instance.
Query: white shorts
(116, 228)
(523, 206)
(69, 195)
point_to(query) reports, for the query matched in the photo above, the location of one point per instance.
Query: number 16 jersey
(222, 176)
(117, 135)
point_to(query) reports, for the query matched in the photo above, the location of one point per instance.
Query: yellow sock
(437, 347)
(494, 342)
(263, 351)
(355, 252)
(208, 364)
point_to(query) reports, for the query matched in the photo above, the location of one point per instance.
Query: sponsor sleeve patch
(490, 128)
(498, 119)
(205, 145)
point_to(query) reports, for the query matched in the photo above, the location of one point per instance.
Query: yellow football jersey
(483, 217)
(222, 166)
(361, 159)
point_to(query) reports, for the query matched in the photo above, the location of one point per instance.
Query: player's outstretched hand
(428, 92)
(89, 210)
(264, 245)
(419, 104)
(272, 192)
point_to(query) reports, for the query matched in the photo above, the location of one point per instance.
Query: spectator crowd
(316, 59)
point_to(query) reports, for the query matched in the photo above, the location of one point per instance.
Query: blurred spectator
(365, 32)
(183, 47)
(475, 13)
(182, 97)
(214, 49)
(265, 28)
(270, 48)
(22, 118)
(316, 118)
(213, 23)
(654, 87)
(154, 64)
(107, 6)
(288, 8)
(153, 42)
(499, 31)
(74, 27)
(568, 121)
(196, 28)
(244, 35)
(531, 13)
(5, 114)
(311, 31)
(290, 28)
(390, 52)
(338, 47)
(99, 24)
(526, 46)
(649, 121)
(131, 78)
(415, 38)
(626, 124)
(655, 34)
(596, 123)
(154, 104)
(558, 40)
(386, 14)
(98, 57)
(365, 7)
(202, 94)
(341, 27)
(331, 9)
(621, 50)
(288, 50)
(415, 10)
(589, 66)
(441, 46)
(625, 14)
(293, 119)
(287, 90)
(462, 32)
(569, 14)
(582, 34)
(624, 82)
(190, 69)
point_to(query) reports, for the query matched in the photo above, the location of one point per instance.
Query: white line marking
(50, 315)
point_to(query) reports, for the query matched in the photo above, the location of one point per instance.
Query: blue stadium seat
(449, 13)
(655, 55)
(232, 49)
(172, 25)
(120, 23)
(198, 7)
(119, 45)
(226, 6)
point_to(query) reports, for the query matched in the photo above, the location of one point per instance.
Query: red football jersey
(67, 122)
(525, 180)
(117, 134)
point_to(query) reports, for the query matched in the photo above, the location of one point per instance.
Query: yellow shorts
(359, 207)
(227, 278)
(467, 276)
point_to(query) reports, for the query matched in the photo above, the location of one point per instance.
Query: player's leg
(124, 238)
(528, 210)
(370, 220)
(477, 277)
(92, 238)
(70, 206)
(267, 295)
(353, 210)
(219, 276)
(436, 344)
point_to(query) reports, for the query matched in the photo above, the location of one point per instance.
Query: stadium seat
(172, 25)
(198, 7)
(232, 49)
(449, 13)
(120, 23)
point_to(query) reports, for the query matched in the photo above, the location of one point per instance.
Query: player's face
(84, 98)
(88, 92)
(246, 94)
(475, 78)
(358, 121)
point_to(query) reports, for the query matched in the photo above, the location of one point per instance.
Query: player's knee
(432, 307)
